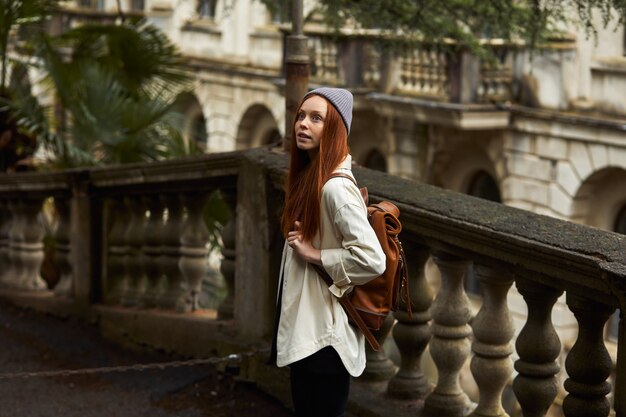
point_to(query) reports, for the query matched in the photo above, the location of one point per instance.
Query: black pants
(320, 385)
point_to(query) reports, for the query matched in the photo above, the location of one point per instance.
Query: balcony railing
(420, 69)
(131, 241)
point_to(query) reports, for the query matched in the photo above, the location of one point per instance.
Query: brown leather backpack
(369, 304)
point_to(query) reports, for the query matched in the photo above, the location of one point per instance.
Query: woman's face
(310, 123)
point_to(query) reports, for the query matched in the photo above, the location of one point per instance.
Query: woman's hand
(303, 248)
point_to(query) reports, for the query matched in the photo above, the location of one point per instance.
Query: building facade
(544, 132)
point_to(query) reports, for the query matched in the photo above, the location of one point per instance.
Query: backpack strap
(363, 190)
(342, 175)
(350, 310)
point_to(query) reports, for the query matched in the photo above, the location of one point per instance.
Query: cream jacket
(311, 317)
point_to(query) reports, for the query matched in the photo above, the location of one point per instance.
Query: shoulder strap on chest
(341, 175)
(363, 190)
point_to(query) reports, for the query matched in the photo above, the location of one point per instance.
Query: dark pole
(296, 69)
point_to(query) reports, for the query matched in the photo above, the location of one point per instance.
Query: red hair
(307, 176)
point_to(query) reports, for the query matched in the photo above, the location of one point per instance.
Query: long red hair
(307, 176)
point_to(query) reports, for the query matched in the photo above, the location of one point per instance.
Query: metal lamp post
(296, 69)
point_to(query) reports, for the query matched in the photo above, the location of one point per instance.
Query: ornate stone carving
(493, 330)
(538, 346)
(172, 294)
(193, 250)
(450, 345)
(413, 334)
(151, 252)
(588, 364)
(116, 279)
(31, 246)
(133, 237)
(379, 367)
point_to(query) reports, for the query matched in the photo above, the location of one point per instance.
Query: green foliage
(467, 22)
(115, 94)
(14, 13)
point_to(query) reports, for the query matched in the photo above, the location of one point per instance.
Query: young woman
(325, 223)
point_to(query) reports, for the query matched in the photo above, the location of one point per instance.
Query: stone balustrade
(132, 251)
(417, 69)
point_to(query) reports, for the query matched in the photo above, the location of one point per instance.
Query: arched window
(376, 160)
(257, 128)
(194, 127)
(206, 9)
(484, 186)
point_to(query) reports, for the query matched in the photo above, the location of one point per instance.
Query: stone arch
(465, 169)
(376, 160)
(194, 123)
(484, 185)
(257, 128)
(601, 199)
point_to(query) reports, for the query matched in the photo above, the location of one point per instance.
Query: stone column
(379, 367)
(133, 239)
(413, 334)
(62, 254)
(538, 346)
(116, 278)
(193, 249)
(171, 296)
(32, 246)
(151, 253)
(492, 347)
(588, 364)
(226, 309)
(450, 345)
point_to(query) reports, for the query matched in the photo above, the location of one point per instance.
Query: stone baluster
(133, 237)
(5, 226)
(116, 276)
(171, 296)
(193, 261)
(588, 364)
(378, 366)
(152, 251)
(32, 246)
(493, 330)
(226, 309)
(62, 255)
(413, 334)
(15, 272)
(450, 346)
(538, 346)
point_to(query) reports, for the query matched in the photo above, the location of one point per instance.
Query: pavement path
(33, 342)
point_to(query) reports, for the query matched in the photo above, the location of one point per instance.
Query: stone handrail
(543, 257)
(132, 239)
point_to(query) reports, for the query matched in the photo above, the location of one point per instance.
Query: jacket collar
(346, 164)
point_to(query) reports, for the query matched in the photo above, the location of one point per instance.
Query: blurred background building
(542, 131)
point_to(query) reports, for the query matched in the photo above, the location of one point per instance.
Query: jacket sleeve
(360, 258)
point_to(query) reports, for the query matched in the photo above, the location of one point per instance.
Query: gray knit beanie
(340, 99)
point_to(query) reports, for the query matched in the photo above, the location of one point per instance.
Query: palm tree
(15, 146)
(14, 13)
(117, 88)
